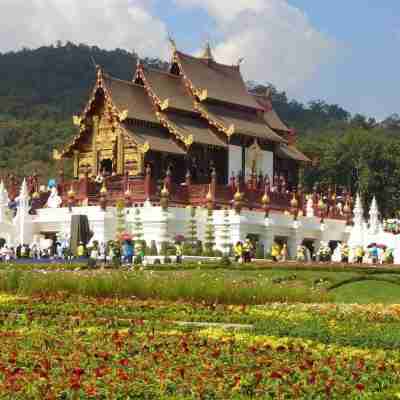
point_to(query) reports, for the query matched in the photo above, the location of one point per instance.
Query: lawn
(199, 334)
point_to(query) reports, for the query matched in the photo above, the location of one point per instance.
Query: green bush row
(144, 285)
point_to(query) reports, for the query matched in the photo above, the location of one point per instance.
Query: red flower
(124, 362)
(276, 375)
(360, 387)
(75, 383)
(122, 375)
(91, 391)
(258, 376)
(100, 372)
(181, 372)
(312, 379)
(216, 353)
(78, 371)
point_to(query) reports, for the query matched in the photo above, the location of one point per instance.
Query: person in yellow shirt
(178, 252)
(359, 253)
(301, 254)
(345, 253)
(238, 251)
(275, 251)
(81, 250)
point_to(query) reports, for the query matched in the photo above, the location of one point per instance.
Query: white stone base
(160, 226)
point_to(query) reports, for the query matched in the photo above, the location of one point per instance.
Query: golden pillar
(95, 134)
(76, 163)
(120, 153)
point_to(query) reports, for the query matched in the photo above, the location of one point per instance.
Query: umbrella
(126, 236)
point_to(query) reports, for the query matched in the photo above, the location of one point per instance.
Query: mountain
(41, 89)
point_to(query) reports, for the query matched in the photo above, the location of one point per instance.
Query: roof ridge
(106, 75)
(162, 72)
(208, 61)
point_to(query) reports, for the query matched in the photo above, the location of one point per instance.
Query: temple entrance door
(106, 166)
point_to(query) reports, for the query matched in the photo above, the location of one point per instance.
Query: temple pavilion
(190, 121)
(193, 135)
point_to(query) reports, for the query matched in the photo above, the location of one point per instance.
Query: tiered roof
(198, 101)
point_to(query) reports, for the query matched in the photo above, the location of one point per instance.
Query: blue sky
(343, 51)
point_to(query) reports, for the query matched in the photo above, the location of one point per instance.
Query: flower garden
(199, 333)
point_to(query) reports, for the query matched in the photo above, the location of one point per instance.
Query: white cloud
(278, 42)
(109, 24)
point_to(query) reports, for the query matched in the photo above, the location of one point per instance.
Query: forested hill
(41, 89)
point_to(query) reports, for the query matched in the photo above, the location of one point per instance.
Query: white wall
(267, 164)
(235, 160)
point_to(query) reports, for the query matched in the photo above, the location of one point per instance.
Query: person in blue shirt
(373, 251)
(128, 252)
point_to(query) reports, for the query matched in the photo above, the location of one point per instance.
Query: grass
(368, 292)
(225, 286)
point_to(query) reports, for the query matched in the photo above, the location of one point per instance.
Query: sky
(344, 51)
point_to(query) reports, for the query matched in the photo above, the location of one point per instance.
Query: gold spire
(103, 190)
(164, 191)
(207, 54)
(209, 196)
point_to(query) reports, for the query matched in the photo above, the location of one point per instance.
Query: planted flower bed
(67, 347)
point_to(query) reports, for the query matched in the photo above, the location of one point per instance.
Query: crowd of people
(133, 252)
(243, 251)
(372, 254)
(95, 252)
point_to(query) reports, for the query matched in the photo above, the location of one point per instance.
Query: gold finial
(265, 199)
(123, 115)
(231, 130)
(56, 155)
(35, 195)
(103, 189)
(172, 42)
(164, 191)
(209, 194)
(237, 196)
(71, 192)
(294, 202)
(164, 104)
(188, 140)
(207, 54)
(202, 94)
